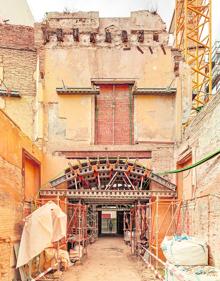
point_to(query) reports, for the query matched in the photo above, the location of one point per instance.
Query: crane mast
(193, 37)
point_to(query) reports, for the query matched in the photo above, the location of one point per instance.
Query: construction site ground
(109, 259)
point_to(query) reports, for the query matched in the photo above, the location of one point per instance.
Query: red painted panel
(113, 114)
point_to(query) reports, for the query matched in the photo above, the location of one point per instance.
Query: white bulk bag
(185, 250)
(191, 273)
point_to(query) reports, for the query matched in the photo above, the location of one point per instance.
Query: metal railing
(159, 267)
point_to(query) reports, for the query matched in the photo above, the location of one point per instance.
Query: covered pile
(43, 227)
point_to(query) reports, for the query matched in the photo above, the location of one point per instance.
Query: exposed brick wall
(18, 61)
(11, 209)
(113, 124)
(201, 218)
(12, 191)
(18, 70)
(201, 138)
(16, 36)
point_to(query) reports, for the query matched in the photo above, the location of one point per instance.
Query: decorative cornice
(77, 91)
(154, 91)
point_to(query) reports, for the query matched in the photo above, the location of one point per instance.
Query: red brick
(113, 124)
(16, 36)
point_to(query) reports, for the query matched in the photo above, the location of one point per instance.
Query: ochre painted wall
(12, 193)
(13, 140)
(78, 114)
(77, 66)
(32, 177)
(154, 118)
(70, 120)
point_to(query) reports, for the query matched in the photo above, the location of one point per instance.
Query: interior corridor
(108, 259)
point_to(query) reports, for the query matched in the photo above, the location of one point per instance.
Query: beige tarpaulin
(44, 226)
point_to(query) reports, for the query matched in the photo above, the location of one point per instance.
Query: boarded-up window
(114, 115)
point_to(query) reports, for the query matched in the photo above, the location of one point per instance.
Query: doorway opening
(110, 222)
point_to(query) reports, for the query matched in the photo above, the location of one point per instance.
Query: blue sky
(114, 8)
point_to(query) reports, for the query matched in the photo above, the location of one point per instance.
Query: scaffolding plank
(108, 195)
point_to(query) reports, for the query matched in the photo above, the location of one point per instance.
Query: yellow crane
(193, 36)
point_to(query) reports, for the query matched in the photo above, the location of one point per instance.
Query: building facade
(77, 86)
(108, 86)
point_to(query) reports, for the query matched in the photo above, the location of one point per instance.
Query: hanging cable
(207, 158)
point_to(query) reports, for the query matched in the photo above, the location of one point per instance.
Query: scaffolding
(164, 221)
(165, 217)
(92, 223)
(77, 234)
(193, 21)
(138, 227)
(109, 174)
(148, 225)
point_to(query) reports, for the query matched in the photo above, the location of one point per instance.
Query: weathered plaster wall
(12, 191)
(69, 121)
(201, 138)
(154, 118)
(17, 72)
(109, 63)
(202, 220)
(64, 64)
(78, 128)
